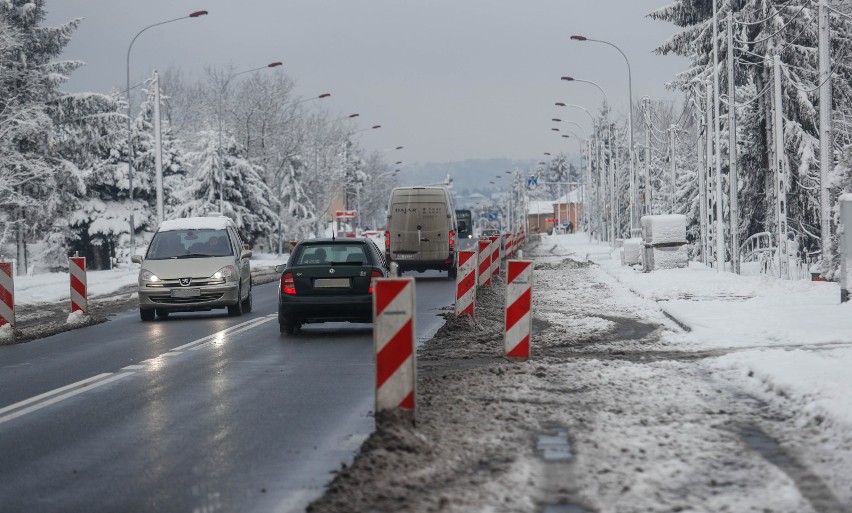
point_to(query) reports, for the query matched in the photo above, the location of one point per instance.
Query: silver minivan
(421, 229)
(195, 263)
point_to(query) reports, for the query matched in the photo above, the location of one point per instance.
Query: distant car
(328, 280)
(195, 263)
(490, 232)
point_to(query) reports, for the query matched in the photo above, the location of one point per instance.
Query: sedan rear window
(189, 244)
(316, 254)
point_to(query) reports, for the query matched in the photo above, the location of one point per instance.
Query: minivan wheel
(247, 303)
(162, 314)
(451, 273)
(236, 309)
(146, 315)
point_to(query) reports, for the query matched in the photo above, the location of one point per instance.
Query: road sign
(532, 182)
(344, 214)
(492, 216)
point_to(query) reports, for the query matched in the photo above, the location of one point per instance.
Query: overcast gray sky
(448, 79)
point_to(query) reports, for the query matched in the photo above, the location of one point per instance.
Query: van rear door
(419, 231)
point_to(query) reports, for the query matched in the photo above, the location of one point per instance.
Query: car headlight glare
(146, 275)
(223, 273)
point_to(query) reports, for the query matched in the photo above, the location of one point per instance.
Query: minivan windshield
(189, 244)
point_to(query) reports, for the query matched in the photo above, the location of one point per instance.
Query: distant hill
(466, 174)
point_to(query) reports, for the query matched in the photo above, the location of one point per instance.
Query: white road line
(102, 379)
(81, 383)
(226, 331)
(244, 328)
(64, 396)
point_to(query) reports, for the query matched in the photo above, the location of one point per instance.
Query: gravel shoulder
(638, 420)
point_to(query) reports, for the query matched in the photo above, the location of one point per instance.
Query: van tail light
(387, 241)
(452, 238)
(373, 276)
(288, 284)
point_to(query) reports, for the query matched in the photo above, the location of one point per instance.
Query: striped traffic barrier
(7, 295)
(466, 283)
(79, 298)
(495, 256)
(519, 276)
(393, 343)
(484, 246)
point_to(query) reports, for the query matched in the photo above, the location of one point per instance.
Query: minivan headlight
(146, 275)
(223, 273)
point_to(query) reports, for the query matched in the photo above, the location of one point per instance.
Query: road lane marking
(244, 328)
(81, 383)
(54, 400)
(51, 397)
(226, 331)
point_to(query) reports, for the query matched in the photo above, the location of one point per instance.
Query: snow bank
(6, 333)
(77, 317)
(667, 229)
(669, 257)
(631, 252)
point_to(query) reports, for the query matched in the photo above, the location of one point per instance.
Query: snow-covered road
(656, 418)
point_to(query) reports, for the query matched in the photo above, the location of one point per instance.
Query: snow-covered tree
(246, 197)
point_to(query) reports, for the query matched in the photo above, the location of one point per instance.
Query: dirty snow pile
(653, 423)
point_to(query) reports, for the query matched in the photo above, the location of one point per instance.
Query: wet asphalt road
(201, 412)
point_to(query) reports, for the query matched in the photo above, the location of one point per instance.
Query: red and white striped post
(466, 283)
(393, 343)
(484, 246)
(519, 276)
(495, 256)
(79, 297)
(7, 295)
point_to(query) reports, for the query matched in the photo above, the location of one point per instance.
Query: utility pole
(602, 217)
(720, 217)
(699, 127)
(613, 208)
(646, 105)
(158, 150)
(733, 172)
(672, 129)
(617, 224)
(825, 139)
(780, 175)
(708, 167)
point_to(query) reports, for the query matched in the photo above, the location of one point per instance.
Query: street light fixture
(195, 14)
(633, 184)
(223, 92)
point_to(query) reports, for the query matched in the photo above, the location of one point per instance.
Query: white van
(421, 230)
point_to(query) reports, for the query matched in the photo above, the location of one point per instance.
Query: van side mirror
(136, 259)
(246, 253)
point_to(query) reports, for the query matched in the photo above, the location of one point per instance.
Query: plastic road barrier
(79, 299)
(519, 276)
(484, 262)
(393, 342)
(495, 256)
(7, 295)
(466, 283)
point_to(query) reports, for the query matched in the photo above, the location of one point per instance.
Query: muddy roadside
(39, 320)
(611, 413)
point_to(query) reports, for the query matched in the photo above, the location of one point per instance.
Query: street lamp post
(222, 93)
(633, 187)
(130, 155)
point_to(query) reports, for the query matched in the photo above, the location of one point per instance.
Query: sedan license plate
(331, 283)
(185, 293)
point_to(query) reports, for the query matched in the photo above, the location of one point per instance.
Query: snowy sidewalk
(789, 338)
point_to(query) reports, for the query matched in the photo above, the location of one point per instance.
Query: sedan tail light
(373, 276)
(288, 284)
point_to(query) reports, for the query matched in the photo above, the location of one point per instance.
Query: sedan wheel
(247, 303)
(146, 315)
(287, 327)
